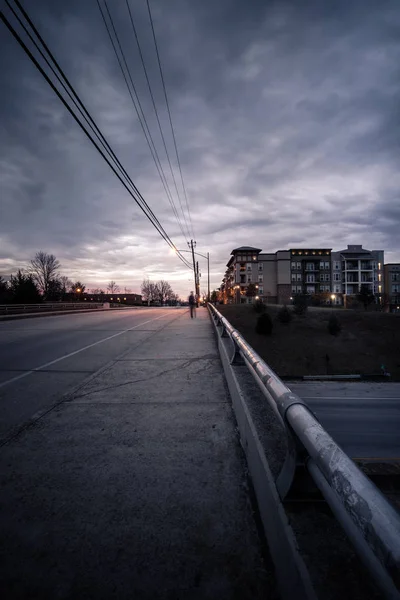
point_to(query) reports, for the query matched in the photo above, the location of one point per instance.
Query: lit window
(379, 288)
(254, 257)
(379, 266)
(379, 277)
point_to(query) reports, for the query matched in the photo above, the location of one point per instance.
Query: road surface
(136, 486)
(363, 418)
(42, 359)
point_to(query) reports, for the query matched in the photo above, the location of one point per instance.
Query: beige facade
(268, 276)
(319, 272)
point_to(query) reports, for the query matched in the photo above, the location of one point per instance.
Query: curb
(291, 573)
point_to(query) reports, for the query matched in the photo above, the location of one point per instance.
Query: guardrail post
(237, 358)
(223, 331)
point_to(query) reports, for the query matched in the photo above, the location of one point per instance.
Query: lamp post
(196, 271)
(333, 298)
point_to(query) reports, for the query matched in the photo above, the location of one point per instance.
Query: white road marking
(349, 397)
(52, 362)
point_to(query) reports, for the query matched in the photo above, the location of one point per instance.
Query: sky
(287, 122)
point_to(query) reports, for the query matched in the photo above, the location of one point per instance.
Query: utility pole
(198, 280)
(196, 285)
(208, 277)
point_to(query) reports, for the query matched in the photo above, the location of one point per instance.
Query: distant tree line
(42, 281)
(159, 292)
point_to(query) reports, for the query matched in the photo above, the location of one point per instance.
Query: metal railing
(371, 523)
(11, 309)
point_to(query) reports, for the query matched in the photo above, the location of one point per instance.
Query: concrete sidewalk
(136, 486)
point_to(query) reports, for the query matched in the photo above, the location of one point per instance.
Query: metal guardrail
(368, 519)
(10, 309)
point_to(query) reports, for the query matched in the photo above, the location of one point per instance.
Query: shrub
(284, 315)
(259, 307)
(334, 326)
(300, 304)
(264, 324)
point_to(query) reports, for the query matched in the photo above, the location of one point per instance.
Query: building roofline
(246, 249)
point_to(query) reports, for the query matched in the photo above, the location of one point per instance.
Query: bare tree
(127, 290)
(44, 268)
(147, 289)
(113, 288)
(66, 284)
(164, 290)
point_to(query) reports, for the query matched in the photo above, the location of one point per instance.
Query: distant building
(318, 272)
(392, 286)
(311, 271)
(269, 273)
(355, 267)
(120, 298)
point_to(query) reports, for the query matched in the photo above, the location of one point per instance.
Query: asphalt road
(363, 418)
(43, 359)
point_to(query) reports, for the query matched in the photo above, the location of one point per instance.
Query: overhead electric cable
(156, 112)
(140, 202)
(86, 115)
(141, 117)
(169, 114)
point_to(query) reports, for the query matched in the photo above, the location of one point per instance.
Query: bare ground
(304, 346)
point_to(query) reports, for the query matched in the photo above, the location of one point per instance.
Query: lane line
(376, 458)
(349, 397)
(53, 362)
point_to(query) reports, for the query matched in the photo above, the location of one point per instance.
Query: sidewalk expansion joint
(155, 376)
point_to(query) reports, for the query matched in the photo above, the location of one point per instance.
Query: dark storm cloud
(286, 116)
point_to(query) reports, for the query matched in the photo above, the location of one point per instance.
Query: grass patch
(305, 347)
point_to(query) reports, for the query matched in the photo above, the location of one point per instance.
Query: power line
(169, 114)
(140, 202)
(155, 110)
(142, 118)
(77, 102)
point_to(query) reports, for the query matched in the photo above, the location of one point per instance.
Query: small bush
(264, 324)
(284, 315)
(334, 325)
(259, 307)
(300, 304)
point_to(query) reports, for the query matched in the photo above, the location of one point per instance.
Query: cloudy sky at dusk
(286, 115)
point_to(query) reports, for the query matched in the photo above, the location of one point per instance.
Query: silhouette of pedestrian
(192, 305)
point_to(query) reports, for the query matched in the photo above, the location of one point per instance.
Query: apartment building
(355, 266)
(311, 271)
(280, 275)
(269, 273)
(392, 286)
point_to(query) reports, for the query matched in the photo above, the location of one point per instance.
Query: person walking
(192, 305)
